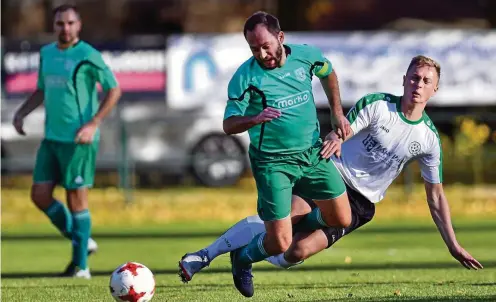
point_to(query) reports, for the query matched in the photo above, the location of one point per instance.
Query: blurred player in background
(387, 132)
(271, 97)
(68, 73)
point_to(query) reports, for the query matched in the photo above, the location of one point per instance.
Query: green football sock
(254, 251)
(310, 222)
(60, 217)
(81, 232)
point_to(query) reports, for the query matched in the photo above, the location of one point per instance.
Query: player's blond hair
(421, 60)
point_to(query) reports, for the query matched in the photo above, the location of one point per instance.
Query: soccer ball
(132, 282)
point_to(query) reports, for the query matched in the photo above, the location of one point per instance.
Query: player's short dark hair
(64, 8)
(266, 19)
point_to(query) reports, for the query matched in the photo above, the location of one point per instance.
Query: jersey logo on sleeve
(414, 148)
(300, 74)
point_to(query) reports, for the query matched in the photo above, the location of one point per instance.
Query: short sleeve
(362, 114)
(322, 67)
(431, 164)
(238, 97)
(102, 72)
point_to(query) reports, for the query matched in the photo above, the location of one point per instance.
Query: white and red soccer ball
(132, 282)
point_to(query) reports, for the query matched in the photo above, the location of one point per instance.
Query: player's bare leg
(334, 212)
(278, 236)
(299, 251)
(307, 244)
(42, 194)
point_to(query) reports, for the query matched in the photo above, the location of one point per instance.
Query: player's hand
(331, 145)
(18, 123)
(465, 258)
(267, 115)
(86, 133)
(341, 126)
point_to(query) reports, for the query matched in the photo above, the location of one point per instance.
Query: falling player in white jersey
(388, 132)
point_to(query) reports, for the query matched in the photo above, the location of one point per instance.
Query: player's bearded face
(265, 46)
(278, 55)
(269, 58)
(420, 83)
(67, 26)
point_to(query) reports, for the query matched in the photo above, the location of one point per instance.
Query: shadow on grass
(303, 268)
(185, 235)
(484, 284)
(426, 299)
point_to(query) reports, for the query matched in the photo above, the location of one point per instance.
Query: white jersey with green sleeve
(383, 142)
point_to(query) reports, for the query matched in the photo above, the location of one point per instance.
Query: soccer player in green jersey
(388, 132)
(270, 96)
(68, 73)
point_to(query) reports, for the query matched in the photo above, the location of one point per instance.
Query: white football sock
(274, 260)
(237, 236)
(280, 261)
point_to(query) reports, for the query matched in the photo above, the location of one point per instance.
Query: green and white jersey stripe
(383, 142)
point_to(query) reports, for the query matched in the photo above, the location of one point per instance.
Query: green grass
(389, 261)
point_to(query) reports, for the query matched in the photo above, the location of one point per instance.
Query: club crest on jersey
(300, 74)
(414, 148)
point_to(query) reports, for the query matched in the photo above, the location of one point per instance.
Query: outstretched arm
(439, 208)
(360, 117)
(331, 88)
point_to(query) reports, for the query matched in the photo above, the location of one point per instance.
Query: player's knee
(339, 219)
(279, 244)
(343, 221)
(336, 212)
(299, 208)
(77, 199)
(283, 244)
(41, 197)
(299, 253)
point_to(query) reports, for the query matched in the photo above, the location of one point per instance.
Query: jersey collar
(402, 116)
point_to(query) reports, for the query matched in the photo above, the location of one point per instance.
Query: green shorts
(68, 164)
(307, 173)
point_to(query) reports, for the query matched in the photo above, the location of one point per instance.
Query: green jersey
(68, 79)
(287, 88)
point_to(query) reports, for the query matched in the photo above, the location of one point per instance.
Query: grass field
(382, 262)
(393, 258)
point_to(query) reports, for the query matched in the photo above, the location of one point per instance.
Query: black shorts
(362, 211)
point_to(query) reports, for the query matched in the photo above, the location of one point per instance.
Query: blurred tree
(291, 14)
(490, 9)
(153, 17)
(376, 14)
(28, 18)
